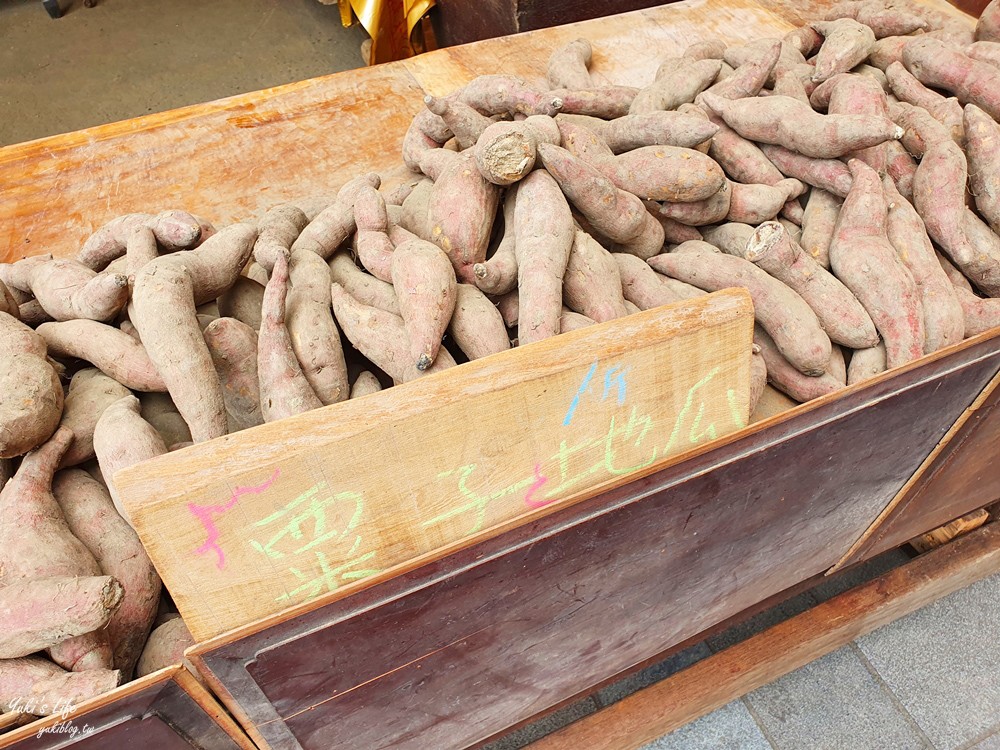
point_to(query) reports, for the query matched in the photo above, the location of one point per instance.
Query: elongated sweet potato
(982, 137)
(367, 383)
(159, 410)
(851, 94)
(284, 389)
(943, 319)
(882, 20)
(427, 131)
(753, 204)
(35, 542)
(841, 315)
(382, 338)
(679, 86)
(936, 64)
(988, 26)
(123, 438)
(233, 347)
(901, 168)
(980, 315)
(712, 210)
(465, 123)
(37, 686)
(606, 102)
(592, 285)
(988, 52)
(31, 396)
(110, 349)
(364, 287)
(311, 328)
(140, 249)
(476, 325)
(568, 65)
(788, 379)
(866, 363)
(165, 647)
(499, 94)
(38, 614)
(845, 44)
(90, 393)
(498, 273)
(571, 321)
(787, 122)
(543, 227)
(750, 77)
(461, 209)
(174, 230)
(91, 516)
(67, 289)
(424, 280)
(331, 228)
(731, 237)
(779, 310)
(281, 226)
(660, 128)
(864, 260)
(243, 301)
(164, 299)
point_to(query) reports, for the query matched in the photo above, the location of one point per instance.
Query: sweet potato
(543, 228)
(680, 85)
(35, 542)
(591, 285)
(123, 438)
(505, 152)
(31, 396)
(164, 299)
(937, 65)
(606, 102)
(943, 320)
(920, 129)
(109, 349)
(413, 214)
(645, 288)
(364, 287)
(741, 159)
(850, 94)
(983, 152)
(567, 67)
(988, 26)
(753, 204)
(841, 315)
(499, 95)
(571, 321)
(36, 685)
(165, 647)
(476, 325)
(427, 131)
(159, 410)
(650, 129)
(782, 313)
(988, 52)
(498, 273)
(805, 39)
(979, 315)
(866, 363)
(382, 338)
(233, 347)
(845, 44)
(761, 49)
(38, 614)
(8, 302)
(366, 383)
(673, 231)
(91, 516)
(788, 122)
(712, 210)
(750, 77)
(509, 305)
(788, 379)
(313, 332)
(140, 249)
(371, 242)
(731, 237)
(243, 301)
(465, 123)
(67, 290)
(794, 83)
(331, 228)
(901, 168)
(864, 260)
(90, 393)
(424, 281)
(882, 20)
(945, 110)
(284, 389)
(174, 230)
(461, 209)
(278, 229)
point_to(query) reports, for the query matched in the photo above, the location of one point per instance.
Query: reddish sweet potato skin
(788, 379)
(233, 346)
(592, 286)
(936, 64)
(90, 393)
(645, 288)
(476, 325)
(988, 26)
(48, 689)
(982, 138)
(165, 647)
(846, 43)
(866, 363)
(31, 396)
(425, 285)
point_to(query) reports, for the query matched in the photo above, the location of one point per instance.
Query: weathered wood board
(250, 524)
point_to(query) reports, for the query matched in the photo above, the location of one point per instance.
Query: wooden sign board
(250, 524)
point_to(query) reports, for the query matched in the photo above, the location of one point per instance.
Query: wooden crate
(462, 646)
(167, 710)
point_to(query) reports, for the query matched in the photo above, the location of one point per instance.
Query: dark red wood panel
(459, 649)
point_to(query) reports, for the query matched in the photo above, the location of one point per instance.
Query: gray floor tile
(858, 574)
(649, 675)
(761, 621)
(943, 663)
(990, 743)
(833, 703)
(531, 732)
(728, 728)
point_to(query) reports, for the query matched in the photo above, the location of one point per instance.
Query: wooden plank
(720, 678)
(952, 529)
(245, 526)
(958, 476)
(453, 651)
(167, 710)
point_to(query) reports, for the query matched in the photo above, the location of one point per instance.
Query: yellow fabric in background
(390, 23)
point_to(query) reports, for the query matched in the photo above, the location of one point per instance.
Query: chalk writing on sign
(307, 535)
(208, 513)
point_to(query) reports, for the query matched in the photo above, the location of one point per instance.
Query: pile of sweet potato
(847, 175)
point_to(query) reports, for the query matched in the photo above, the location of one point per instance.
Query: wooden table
(460, 648)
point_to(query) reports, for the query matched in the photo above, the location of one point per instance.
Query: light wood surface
(763, 658)
(250, 524)
(951, 530)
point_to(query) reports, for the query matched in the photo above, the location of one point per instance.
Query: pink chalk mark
(206, 513)
(539, 481)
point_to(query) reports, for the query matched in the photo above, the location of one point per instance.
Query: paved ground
(928, 681)
(125, 58)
